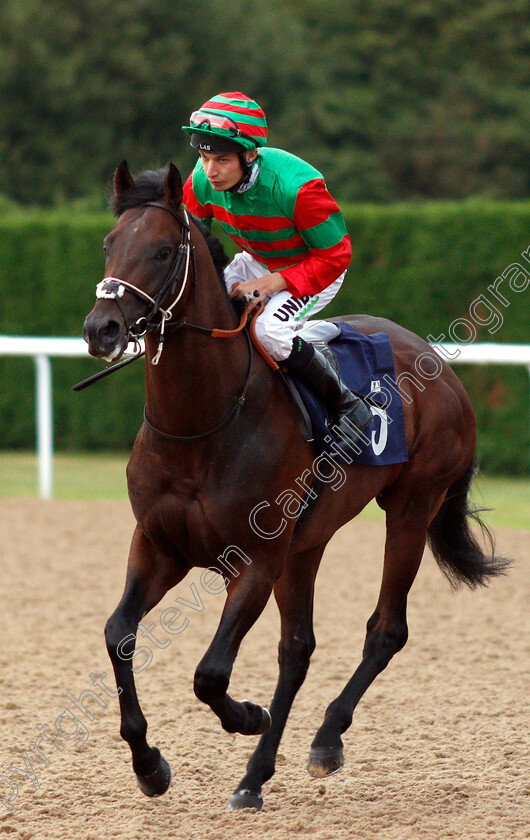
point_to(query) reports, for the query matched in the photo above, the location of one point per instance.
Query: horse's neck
(197, 378)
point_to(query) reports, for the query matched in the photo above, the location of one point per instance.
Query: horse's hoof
(324, 761)
(245, 799)
(157, 782)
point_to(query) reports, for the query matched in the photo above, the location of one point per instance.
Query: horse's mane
(149, 186)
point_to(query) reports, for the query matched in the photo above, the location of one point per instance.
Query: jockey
(294, 244)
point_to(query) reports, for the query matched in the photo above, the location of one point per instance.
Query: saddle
(365, 364)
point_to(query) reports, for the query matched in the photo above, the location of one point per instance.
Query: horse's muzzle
(105, 336)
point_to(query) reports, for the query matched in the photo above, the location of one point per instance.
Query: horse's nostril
(110, 331)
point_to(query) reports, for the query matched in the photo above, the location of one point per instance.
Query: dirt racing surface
(439, 746)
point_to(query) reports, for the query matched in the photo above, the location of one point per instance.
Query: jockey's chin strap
(113, 288)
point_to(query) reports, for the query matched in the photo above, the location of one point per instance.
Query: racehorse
(219, 437)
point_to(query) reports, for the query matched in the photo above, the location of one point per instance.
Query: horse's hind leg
(386, 629)
(294, 595)
(147, 582)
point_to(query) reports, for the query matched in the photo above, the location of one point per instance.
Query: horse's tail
(453, 543)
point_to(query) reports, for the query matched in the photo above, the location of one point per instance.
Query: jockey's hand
(269, 284)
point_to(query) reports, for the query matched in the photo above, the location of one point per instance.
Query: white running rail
(43, 349)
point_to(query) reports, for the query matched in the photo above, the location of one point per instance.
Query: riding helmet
(228, 122)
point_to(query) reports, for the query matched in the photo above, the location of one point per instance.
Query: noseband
(112, 288)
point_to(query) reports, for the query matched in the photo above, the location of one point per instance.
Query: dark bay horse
(220, 441)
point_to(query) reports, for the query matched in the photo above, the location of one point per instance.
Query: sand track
(438, 748)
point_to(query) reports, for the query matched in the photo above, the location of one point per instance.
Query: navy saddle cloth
(366, 364)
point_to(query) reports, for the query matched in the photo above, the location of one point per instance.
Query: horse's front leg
(247, 595)
(148, 579)
(294, 596)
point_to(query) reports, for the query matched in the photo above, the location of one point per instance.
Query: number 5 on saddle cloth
(366, 366)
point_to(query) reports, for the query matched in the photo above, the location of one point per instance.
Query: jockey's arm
(321, 225)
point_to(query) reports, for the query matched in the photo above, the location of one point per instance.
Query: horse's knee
(384, 639)
(111, 639)
(210, 682)
(294, 658)
(115, 633)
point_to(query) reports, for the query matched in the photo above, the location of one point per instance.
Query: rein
(177, 325)
(113, 288)
(234, 411)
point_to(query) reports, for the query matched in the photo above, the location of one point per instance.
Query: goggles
(210, 121)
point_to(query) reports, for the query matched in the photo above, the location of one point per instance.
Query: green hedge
(419, 264)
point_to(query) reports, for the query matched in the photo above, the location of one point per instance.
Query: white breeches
(284, 315)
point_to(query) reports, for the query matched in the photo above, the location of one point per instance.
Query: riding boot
(350, 414)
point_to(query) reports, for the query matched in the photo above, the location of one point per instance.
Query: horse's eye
(163, 254)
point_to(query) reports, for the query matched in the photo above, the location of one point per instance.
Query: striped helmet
(232, 118)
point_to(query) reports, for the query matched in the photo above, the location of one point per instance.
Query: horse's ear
(123, 180)
(173, 186)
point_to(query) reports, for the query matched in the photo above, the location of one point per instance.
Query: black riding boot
(350, 414)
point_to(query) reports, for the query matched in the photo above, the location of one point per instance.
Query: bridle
(113, 288)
